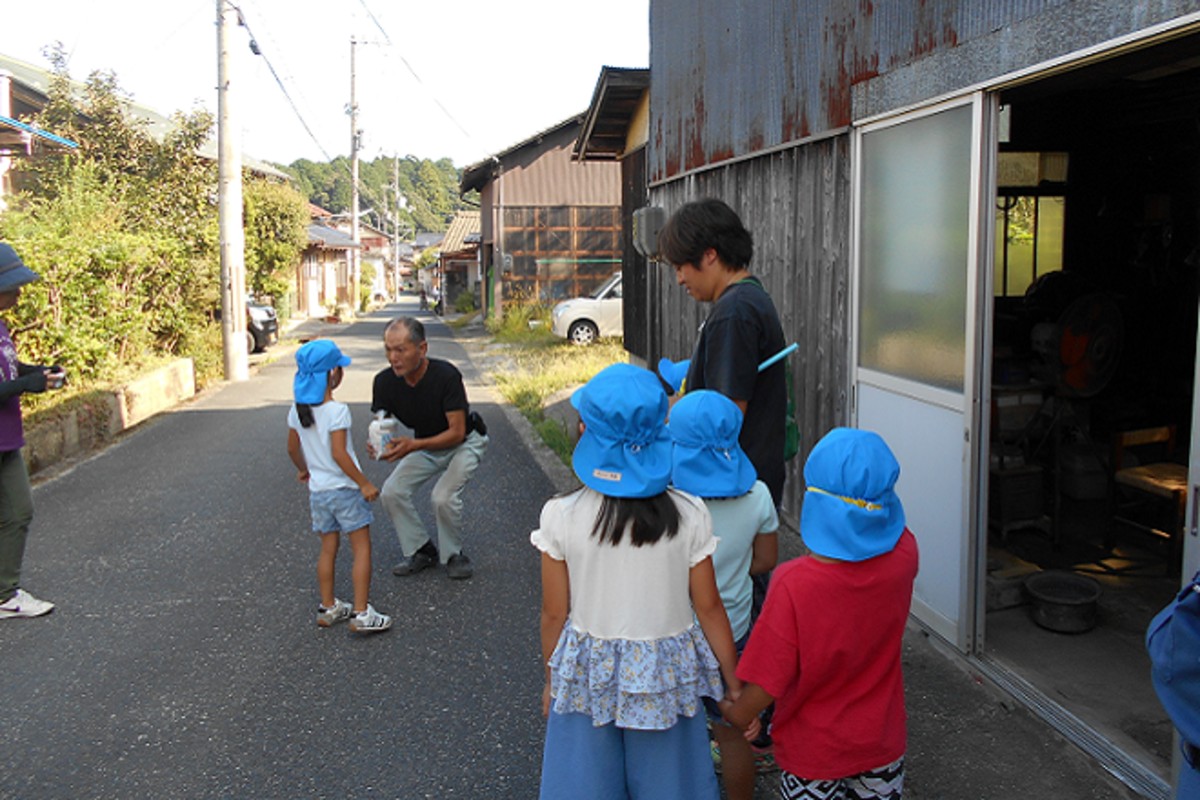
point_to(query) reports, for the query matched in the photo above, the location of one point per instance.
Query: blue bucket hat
(851, 511)
(707, 460)
(314, 361)
(13, 272)
(674, 372)
(625, 450)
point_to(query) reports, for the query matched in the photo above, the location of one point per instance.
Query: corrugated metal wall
(737, 77)
(796, 203)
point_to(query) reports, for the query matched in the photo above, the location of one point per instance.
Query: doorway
(1094, 330)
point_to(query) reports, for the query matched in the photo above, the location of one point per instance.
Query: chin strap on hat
(854, 501)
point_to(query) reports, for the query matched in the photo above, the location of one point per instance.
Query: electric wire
(363, 189)
(417, 77)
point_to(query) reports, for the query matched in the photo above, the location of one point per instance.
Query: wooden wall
(796, 203)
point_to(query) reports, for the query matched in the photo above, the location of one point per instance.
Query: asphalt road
(183, 660)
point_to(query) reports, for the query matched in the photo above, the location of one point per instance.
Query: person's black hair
(648, 519)
(702, 224)
(304, 412)
(412, 326)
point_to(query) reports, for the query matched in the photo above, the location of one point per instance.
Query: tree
(123, 231)
(276, 223)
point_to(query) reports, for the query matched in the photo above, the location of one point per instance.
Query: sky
(458, 79)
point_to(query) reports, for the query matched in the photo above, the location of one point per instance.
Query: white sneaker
(340, 611)
(23, 604)
(370, 621)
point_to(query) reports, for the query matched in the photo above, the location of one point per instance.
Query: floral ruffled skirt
(638, 684)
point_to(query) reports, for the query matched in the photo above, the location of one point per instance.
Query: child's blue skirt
(583, 762)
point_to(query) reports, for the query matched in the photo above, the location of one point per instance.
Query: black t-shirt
(422, 407)
(741, 332)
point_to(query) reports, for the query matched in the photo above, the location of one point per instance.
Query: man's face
(404, 356)
(9, 299)
(698, 279)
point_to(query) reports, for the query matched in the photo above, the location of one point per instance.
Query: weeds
(542, 365)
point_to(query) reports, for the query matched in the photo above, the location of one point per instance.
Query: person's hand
(56, 377)
(369, 492)
(398, 448)
(371, 450)
(753, 729)
(302, 476)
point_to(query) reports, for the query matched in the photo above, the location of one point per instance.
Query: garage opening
(1097, 217)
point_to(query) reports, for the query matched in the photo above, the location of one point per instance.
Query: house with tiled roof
(458, 261)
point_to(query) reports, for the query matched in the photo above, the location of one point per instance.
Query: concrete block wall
(80, 429)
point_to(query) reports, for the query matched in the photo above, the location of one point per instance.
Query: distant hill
(429, 187)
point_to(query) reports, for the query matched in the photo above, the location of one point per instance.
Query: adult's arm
(453, 436)
(29, 378)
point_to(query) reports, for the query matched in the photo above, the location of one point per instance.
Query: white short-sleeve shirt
(324, 473)
(622, 591)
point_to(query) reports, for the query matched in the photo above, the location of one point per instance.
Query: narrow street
(183, 659)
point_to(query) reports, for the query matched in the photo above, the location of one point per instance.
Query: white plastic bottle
(381, 431)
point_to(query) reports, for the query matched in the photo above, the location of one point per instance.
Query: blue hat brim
(833, 528)
(706, 472)
(851, 511)
(622, 470)
(673, 373)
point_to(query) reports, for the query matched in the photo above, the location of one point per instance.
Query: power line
(363, 189)
(417, 77)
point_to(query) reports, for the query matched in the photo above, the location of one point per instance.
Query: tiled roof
(464, 224)
(331, 238)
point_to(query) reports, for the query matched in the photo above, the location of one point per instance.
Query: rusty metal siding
(796, 203)
(732, 78)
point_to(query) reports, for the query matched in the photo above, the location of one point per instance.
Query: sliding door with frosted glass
(917, 230)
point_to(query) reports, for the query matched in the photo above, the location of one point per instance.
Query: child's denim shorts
(339, 510)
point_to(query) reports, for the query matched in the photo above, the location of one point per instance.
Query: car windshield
(604, 286)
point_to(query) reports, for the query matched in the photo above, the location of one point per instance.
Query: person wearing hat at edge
(632, 627)
(707, 461)
(826, 648)
(16, 500)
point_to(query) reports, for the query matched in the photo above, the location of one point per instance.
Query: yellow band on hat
(854, 501)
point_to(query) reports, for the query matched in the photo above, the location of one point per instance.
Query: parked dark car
(262, 327)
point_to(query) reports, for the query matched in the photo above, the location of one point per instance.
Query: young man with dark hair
(710, 250)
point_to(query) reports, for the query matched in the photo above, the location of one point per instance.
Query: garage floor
(1102, 676)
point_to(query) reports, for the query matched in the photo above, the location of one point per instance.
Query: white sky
(503, 69)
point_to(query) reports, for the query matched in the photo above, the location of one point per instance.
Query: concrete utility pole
(229, 194)
(355, 134)
(396, 227)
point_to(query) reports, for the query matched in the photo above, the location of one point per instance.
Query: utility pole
(229, 214)
(396, 226)
(355, 134)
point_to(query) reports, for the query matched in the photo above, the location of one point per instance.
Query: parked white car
(585, 319)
